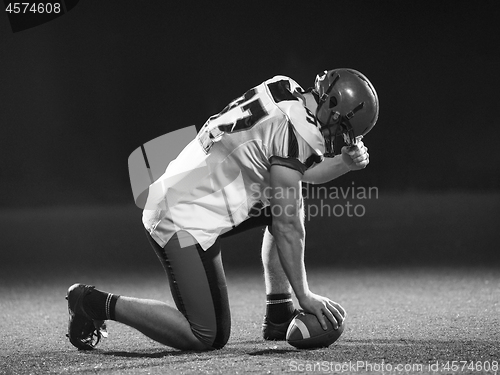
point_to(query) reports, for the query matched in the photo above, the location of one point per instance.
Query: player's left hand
(356, 157)
(323, 308)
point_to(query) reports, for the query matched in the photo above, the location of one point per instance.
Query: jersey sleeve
(290, 148)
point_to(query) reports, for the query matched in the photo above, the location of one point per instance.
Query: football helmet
(347, 105)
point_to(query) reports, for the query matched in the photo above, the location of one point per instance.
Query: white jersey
(212, 185)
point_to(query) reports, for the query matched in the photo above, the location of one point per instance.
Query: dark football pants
(198, 283)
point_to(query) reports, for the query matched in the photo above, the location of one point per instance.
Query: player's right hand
(356, 157)
(323, 308)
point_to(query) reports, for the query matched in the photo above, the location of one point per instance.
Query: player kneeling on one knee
(244, 169)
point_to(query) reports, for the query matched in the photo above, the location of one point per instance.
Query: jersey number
(255, 113)
(241, 114)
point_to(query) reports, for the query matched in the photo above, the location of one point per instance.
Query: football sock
(279, 307)
(100, 305)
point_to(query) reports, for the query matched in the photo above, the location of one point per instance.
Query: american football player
(244, 169)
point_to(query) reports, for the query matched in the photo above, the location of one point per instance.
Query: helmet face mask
(347, 106)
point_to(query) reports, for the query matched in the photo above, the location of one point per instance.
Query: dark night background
(80, 93)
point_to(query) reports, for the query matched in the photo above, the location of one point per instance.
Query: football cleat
(83, 332)
(276, 332)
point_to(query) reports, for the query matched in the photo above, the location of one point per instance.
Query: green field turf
(403, 316)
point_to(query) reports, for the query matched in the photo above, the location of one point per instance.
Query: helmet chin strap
(329, 137)
(348, 132)
(330, 132)
(342, 128)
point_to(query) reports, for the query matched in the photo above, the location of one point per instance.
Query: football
(305, 332)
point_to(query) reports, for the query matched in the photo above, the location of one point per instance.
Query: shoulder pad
(305, 124)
